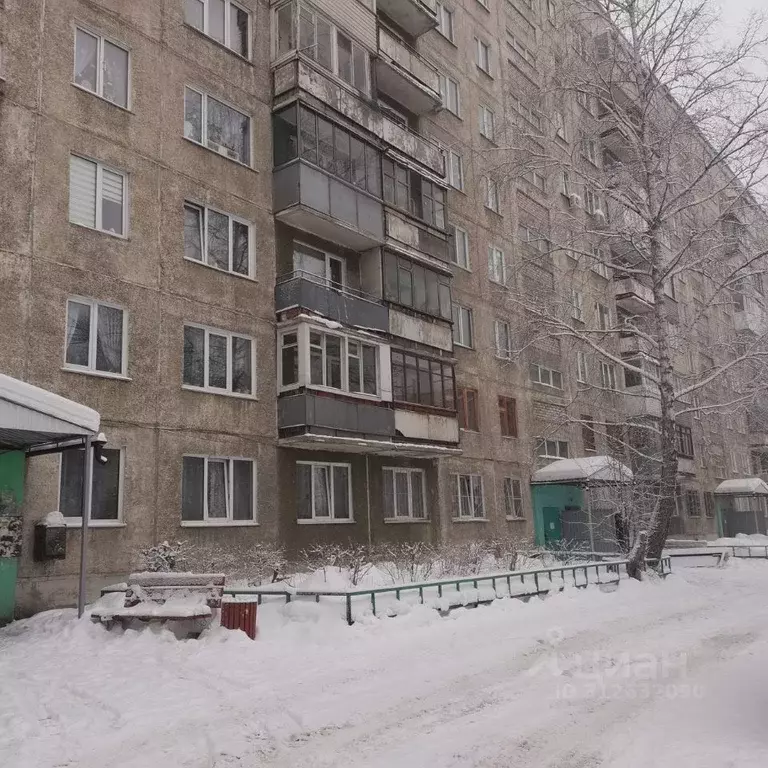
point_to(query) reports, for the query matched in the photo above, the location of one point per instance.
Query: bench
(161, 598)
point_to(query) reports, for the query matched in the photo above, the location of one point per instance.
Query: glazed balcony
(642, 400)
(402, 74)
(413, 16)
(304, 290)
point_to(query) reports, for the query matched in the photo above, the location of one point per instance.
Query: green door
(553, 531)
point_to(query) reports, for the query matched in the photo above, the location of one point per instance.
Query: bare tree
(655, 134)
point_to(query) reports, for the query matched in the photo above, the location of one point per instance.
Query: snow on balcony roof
(31, 417)
(594, 469)
(745, 486)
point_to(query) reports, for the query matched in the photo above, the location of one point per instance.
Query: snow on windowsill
(325, 522)
(388, 520)
(97, 374)
(219, 523)
(469, 519)
(77, 522)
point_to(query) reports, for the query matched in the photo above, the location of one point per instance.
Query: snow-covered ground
(671, 674)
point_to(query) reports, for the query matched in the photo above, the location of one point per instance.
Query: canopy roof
(35, 420)
(590, 469)
(743, 486)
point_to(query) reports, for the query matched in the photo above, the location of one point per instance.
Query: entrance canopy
(743, 486)
(37, 421)
(590, 469)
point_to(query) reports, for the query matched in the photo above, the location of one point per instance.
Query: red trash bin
(240, 614)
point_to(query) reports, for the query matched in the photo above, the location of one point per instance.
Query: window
(565, 184)
(445, 21)
(577, 304)
(581, 367)
(102, 67)
(456, 170)
(483, 55)
(406, 189)
(422, 381)
(218, 361)
(603, 316)
(508, 416)
(215, 125)
(96, 196)
(328, 146)
(552, 449)
(580, 44)
(589, 150)
(491, 194)
(106, 490)
(692, 504)
(502, 339)
(632, 378)
(518, 46)
(468, 497)
(684, 441)
(588, 433)
(96, 337)
(592, 203)
(709, 503)
(451, 95)
(459, 250)
(224, 21)
(607, 375)
(598, 262)
(218, 490)
(513, 499)
(561, 131)
(404, 493)
(497, 268)
(532, 239)
(485, 121)
(319, 266)
(324, 491)
(484, 3)
(320, 40)
(530, 115)
(218, 240)
(536, 179)
(463, 330)
(469, 418)
(413, 285)
(546, 376)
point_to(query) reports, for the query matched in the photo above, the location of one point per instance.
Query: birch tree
(653, 138)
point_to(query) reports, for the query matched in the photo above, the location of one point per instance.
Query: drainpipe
(368, 496)
(588, 495)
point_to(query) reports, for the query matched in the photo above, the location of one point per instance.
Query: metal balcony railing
(409, 60)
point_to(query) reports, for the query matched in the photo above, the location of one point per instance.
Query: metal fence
(519, 584)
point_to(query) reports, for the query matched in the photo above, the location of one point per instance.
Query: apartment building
(280, 248)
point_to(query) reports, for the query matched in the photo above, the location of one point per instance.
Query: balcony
(301, 74)
(308, 421)
(402, 74)
(431, 332)
(433, 428)
(636, 345)
(413, 16)
(634, 297)
(312, 200)
(352, 308)
(686, 465)
(750, 318)
(641, 400)
(407, 235)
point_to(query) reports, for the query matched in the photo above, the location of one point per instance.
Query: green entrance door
(553, 531)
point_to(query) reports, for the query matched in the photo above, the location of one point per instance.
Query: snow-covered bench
(162, 598)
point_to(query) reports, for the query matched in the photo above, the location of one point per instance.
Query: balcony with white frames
(405, 76)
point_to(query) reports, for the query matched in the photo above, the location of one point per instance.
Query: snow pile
(742, 539)
(668, 674)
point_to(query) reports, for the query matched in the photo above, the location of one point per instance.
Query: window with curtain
(95, 337)
(218, 361)
(225, 21)
(218, 490)
(215, 125)
(218, 240)
(105, 491)
(404, 493)
(323, 492)
(96, 196)
(101, 67)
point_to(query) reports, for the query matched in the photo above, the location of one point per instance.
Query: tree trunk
(636, 559)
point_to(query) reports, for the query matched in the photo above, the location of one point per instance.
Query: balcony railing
(339, 303)
(633, 296)
(414, 16)
(405, 75)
